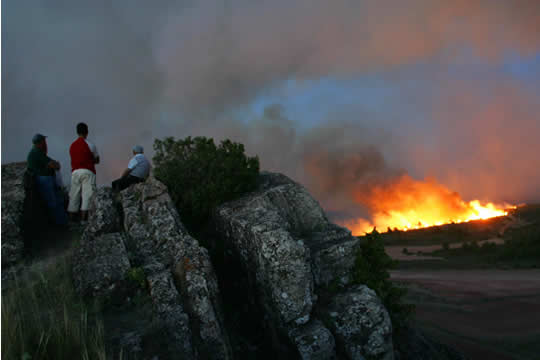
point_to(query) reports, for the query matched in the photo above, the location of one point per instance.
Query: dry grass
(43, 318)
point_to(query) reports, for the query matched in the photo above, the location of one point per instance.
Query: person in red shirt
(84, 156)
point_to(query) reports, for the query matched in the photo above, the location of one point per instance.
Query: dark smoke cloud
(222, 52)
(136, 70)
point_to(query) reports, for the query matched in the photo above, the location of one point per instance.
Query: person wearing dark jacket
(43, 168)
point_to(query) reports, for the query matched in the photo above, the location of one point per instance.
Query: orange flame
(410, 204)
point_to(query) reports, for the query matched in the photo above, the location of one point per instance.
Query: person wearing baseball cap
(43, 170)
(136, 172)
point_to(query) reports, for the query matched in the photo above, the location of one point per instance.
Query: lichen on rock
(103, 213)
(361, 324)
(99, 264)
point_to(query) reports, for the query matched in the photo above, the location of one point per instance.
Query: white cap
(138, 149)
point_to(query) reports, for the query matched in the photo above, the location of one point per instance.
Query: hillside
(476, 285)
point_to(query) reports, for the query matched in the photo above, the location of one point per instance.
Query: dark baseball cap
(38, 138)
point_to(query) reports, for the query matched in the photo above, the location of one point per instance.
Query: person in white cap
(136, 172)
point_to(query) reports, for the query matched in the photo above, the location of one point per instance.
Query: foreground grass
(43, 318)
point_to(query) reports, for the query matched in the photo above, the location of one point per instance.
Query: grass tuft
(43, 318)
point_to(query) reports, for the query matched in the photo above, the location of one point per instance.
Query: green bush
(136, 276)
(201, 175)
(521, 243)
(371, 269)
(43, 318)
(521, 248)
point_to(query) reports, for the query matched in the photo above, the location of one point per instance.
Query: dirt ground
(486, 314)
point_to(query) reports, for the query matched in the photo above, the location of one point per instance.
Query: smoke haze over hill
(429, 88)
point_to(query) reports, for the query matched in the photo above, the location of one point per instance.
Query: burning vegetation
(405, 203)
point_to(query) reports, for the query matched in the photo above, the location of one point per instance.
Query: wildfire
(407, 204)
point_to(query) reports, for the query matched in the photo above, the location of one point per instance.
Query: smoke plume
(134, 72)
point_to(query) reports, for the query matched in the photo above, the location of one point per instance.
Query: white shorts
(83, 185)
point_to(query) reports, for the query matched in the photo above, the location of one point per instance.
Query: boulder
(264, 229)
(99, 265)
(103, 215)
(360, 324)
(13, 197)
(313, 341)
(291, 251)
(183, 285)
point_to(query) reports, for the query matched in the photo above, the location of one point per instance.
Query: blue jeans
(53, 198)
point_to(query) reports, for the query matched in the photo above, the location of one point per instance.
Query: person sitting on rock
(43, 169)
(136, 172)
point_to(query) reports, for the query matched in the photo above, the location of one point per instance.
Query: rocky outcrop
(139, 228)
(264, 230)
(289, 249)
(182, 282)
(13, 196)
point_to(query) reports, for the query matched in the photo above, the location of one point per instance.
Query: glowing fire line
(410, 220)
(407, 204)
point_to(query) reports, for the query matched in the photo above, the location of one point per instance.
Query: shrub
(371, 269)
(488, 247)
(136, 276)
(43, 318)
(522, 243)
(201, 175)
